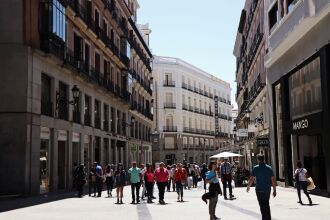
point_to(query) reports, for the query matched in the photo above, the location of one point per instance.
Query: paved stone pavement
(245, 207)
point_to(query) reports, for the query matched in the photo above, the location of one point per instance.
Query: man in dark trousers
(226, 178)
(264, 176)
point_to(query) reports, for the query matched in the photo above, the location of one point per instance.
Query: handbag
(310, 184)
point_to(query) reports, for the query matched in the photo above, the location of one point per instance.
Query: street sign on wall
(243, 132)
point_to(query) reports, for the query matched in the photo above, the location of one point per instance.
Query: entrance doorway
(61, 164)
(44, 166)
(310, 151)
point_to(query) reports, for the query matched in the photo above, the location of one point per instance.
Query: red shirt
(149, 177)
(180, 175)
(161, 175)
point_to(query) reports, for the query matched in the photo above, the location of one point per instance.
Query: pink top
(161, 175)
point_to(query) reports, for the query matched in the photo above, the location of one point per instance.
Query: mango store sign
(300, 125)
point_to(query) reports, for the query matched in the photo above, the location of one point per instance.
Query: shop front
(301, 120)
(44, 159)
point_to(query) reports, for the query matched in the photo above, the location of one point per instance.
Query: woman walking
(301, 176)
(180, 177)
(109, 179)
(214, 189)
(149, 179)
(120, 177)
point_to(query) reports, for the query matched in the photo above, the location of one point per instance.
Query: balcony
(169, 83)
(170, 105)
(170, 129)
(87, 120)
(52, 44)
(47, 108)
(184, 86)
(299, 21)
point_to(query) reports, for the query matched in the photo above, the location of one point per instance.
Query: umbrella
(226, 154)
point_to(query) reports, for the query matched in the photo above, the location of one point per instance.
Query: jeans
(91, 185)
(150, 187)
(169, 184)
(137, 187)
(99, 185)
(109, 182)
(161, 189)
(302, 185)
(227, 183)
(179, 189)
(263, 199)
(212, 205)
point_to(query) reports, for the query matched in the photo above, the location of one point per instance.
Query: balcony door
(78, 47)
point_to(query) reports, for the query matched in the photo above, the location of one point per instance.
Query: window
(87, 55)
(279, 130)
(78, 47)
(97, 62)
(305, 90)
(59, 19)
(291, 4)
(273, 16)
(63, 108)
(46, 103)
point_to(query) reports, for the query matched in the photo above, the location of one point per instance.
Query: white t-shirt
(302, 174)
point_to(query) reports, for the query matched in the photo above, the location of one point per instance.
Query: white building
(188, 119)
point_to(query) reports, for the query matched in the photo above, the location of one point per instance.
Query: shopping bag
(310, 184)
(233, 184)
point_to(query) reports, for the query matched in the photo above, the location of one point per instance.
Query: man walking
(161, 176)
(226, 178)
(135, 178)
(264, 176)
(99, 178)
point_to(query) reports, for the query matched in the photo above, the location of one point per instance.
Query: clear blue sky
(200, 32)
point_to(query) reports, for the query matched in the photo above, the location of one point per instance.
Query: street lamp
(62, 100)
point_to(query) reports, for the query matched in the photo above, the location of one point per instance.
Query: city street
(63, 206)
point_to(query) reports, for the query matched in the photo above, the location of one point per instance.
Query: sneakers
(178, 198)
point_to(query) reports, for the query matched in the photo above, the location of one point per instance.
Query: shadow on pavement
(18, 203)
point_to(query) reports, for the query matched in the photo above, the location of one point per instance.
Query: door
(44, 166)
(309, 150)
(61, 164)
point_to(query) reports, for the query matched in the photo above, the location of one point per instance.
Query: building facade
(251, 96)
(77, 74)
(298, 70)
(193, 110)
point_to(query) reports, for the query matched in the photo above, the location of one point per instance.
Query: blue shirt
(263, 174)
(211, 174)
(225, 169)
(98, 170)
(135, 174)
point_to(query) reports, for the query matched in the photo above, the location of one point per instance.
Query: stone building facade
(75, 88)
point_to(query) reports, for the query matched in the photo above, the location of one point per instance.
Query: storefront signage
(86, 139)
(262, 142)
(300, 125)
(145, 148)
(216, 111)
(243, 132)
(75, 137)
(44, 133)
(62, 135)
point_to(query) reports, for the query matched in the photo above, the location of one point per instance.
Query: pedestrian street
(245, 207)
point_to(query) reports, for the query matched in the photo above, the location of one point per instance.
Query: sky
(202, 33)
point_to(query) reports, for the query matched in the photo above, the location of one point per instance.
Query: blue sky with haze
(200, 32)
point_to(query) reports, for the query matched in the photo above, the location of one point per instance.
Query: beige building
(77, 74)
(251, 94)
(193, 110)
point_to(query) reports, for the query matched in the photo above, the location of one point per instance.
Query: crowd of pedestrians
(183, 176)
